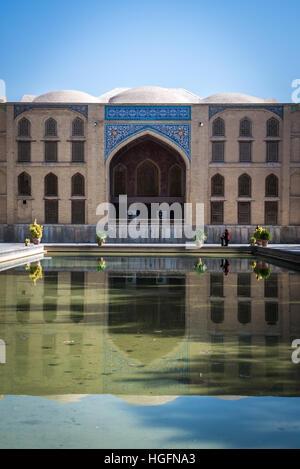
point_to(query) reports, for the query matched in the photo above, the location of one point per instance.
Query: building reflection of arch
(148, 321)
(77, 296)
(148, 169)
(50, 296)
(244, 356)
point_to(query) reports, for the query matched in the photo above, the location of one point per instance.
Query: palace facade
(65, 152)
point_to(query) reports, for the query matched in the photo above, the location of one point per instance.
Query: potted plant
(257, 234)
(100, 238)
(252, 241)
(265, 237)
(36, 232)
(27, 242)
(101, 266)
(199, 267)
(200, 237)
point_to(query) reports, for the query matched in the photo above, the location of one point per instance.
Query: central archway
(147, 170)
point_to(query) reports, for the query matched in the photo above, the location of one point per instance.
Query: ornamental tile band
(146, 113)
(80, 108)
(295, 107)
(278, 110)
(117, 133)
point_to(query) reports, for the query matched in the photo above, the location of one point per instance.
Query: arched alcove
(147, 170)
(147, 179)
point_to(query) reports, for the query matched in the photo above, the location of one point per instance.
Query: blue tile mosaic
(295, 107)
(146, 113)
(278, 110)
(80, 108)
(177, 133)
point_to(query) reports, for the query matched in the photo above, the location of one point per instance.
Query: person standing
(226, 237)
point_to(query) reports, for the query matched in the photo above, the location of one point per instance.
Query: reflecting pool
(149, 352)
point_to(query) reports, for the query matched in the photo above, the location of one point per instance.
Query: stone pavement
(11, 251)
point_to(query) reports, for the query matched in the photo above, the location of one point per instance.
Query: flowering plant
(36, 230)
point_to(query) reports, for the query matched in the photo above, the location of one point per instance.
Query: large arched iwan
(149, 170)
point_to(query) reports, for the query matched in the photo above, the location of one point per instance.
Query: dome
(154, 95)
(65, 96)
(227, 98)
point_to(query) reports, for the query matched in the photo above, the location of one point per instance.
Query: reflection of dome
(66, 397)
(220, 98)
(230, 398)
(147, 400)
(65, 96)
(154, 94)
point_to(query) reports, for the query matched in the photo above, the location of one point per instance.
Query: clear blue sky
(204, 46)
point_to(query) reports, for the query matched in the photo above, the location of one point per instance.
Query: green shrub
(200, 268)
(257, 232)
(200, 236)
(100, 236)
(261, 271)
(101, 265)
(265, 235)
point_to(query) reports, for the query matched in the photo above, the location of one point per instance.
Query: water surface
(149, 352)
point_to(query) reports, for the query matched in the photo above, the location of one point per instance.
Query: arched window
(50, 128)
(218, 127)
(217, 185)
(175, 181)
(77, 127)
(24, 184)
(147, 179)
(77, 185)
(245, 128)
(271, 186)
(273, 127)
(51, 186)
(24, 127)
(120, 180)
(244, 184)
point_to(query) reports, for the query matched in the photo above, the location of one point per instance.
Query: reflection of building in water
(66, 397)
(147, 400)
(132, 331)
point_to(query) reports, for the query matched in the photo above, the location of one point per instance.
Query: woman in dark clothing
(225, 238)
(225, 266)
